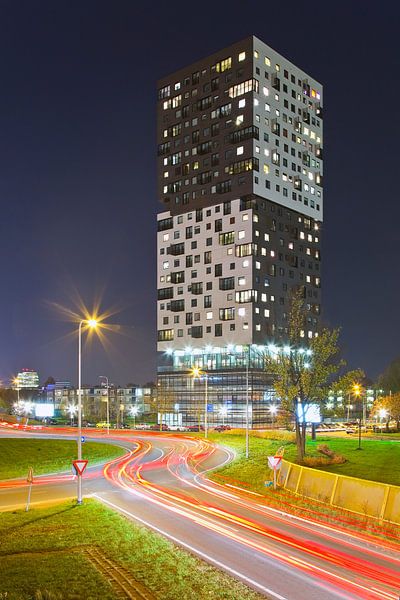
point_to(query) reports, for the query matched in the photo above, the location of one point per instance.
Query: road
(161, 482)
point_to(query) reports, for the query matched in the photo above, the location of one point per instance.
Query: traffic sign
(83, 439)
(274, 462)
(79, 466)
(210, 408)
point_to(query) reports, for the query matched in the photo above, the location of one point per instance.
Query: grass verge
(46, 542)
(48, 456)
(252, 474)
(379, 460)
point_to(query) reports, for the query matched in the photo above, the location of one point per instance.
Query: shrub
(278, 434)
(324, 449)
(330, 458)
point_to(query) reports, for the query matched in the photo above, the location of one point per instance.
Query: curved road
(161, 482)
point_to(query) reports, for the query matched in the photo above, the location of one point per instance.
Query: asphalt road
(161, 483)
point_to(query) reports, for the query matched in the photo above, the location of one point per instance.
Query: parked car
(195, 428)
(156, 427)
(222, 428)
(101, 425)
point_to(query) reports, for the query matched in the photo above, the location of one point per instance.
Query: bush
(323, 461)
(330, 457)
(324, 449)
(278, 434)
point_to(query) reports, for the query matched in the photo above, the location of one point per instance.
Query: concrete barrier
(369, 498)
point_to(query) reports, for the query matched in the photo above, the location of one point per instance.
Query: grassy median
(48, 456)
(379, 460)
(40, 552)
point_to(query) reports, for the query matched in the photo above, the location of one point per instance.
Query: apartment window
(242, 56)
(227, 238)
(226, 314)
(207, 301)
(227, 283)
(166, 335)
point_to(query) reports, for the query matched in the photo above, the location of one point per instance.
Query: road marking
(206, 557)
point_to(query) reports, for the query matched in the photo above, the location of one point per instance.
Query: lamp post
(72, 409)
(134, 411)
(108, 402)
(91, 323)
(273, 410)
(247, 402)
(196, 372)
(223, 412)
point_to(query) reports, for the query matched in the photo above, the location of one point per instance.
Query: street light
(273, 409)
(16, 382)
(196, 372)
(133, 412)
(72, 410)
(223, 411)
(108, 402)
(92, 324)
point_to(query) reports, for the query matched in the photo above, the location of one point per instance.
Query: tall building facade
(240, 177)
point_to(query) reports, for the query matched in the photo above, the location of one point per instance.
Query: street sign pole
(274, 463)
(30, 481)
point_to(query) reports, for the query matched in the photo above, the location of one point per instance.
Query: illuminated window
(242, 103)
(265, 91)
(246, 263)
(241, 235)
(242, 56)
(166, 237)
(266, 313)
(245, 217)
(166, 264)
(266, 168)
(239, 120)
(239, 150)
(209, 315)
(267, 61)
(256, 54)
(242, 312)
(242, 281)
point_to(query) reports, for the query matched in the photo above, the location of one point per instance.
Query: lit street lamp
(92, 324)
(273, 410)
(108, 402)
(133, 412)
(196, 372)
(223, 411)
(72, 410)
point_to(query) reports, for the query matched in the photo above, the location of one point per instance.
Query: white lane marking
(242, 489)
(206, 557)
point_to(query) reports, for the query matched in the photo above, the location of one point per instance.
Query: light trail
(191, 507)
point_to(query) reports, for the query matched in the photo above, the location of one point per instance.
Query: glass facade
(225, 379)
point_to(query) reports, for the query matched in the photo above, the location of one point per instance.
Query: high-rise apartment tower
(240, 178)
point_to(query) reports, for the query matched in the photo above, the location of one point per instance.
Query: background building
(240, 177)
(26, 379)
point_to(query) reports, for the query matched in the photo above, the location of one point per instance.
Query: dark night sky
(77, 166)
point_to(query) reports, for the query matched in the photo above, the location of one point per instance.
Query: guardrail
(369, 498)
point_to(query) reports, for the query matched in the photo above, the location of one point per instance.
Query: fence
(370, 498)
